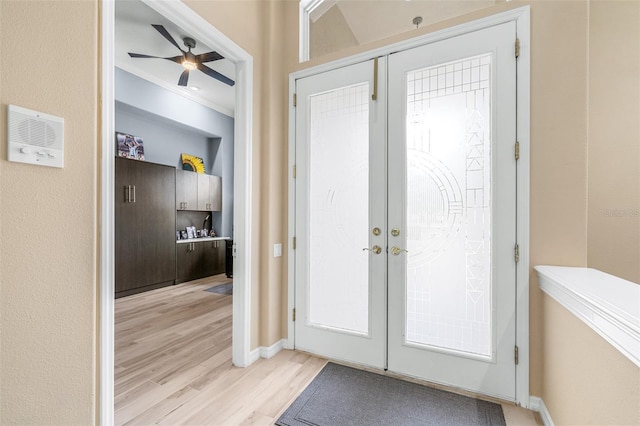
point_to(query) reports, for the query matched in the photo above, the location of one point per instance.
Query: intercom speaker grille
(34, 137)
(34, 128)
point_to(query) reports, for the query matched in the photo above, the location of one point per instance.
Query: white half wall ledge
(608, 304)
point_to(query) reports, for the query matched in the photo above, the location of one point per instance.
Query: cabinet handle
(126, 194)
(134, 193)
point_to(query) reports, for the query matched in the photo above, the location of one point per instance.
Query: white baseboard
(264, 352)
(537, 404)
(254, 355)
(273, 349)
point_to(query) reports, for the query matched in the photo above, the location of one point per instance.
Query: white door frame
(521, 16)
(183, 16)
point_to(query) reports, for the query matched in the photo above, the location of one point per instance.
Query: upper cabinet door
(204, 193)
(215, 189)
(186, 190)
(209, 192)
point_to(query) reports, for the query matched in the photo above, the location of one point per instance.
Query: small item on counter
(183, 235)
(204, 232)
(212, 233)
(178, 235)
(191, 232)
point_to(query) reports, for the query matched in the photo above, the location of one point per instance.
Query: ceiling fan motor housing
(189, 42)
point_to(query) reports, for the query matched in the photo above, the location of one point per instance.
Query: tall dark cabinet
(145, 218)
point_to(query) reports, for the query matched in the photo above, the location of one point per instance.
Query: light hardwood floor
(173, 364)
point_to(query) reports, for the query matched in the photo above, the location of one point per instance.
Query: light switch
(277, 250)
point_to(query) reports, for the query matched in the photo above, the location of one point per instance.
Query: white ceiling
(134, 33)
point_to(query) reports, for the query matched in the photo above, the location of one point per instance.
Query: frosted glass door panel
(448, 212)
(338, 295)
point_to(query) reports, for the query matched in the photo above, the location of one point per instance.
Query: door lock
(376, 249)
(395, 232)
(397, 250)
(376, 231)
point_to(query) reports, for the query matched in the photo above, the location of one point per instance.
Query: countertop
(198, 240)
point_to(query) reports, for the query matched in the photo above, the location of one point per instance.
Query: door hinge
(516, 253)
(517, 48)
(517, 150)
(294, 171)
(294, 243)
(295, 99)
(294, 315)
(516, 355)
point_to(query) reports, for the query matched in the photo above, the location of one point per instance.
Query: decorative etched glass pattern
(339, 209)
(449, 298)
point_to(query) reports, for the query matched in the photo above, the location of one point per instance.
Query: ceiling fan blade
(208, 57)
(176, 59)
(215, 74)
(162, 30)
(184, 78)
(142, 55)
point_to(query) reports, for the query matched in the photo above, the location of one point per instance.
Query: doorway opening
(201, 29)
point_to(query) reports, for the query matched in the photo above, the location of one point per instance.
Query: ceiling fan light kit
(188, 60)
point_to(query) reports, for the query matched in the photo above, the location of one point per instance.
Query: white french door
(452, 197)
(426, 173)
(340, 267)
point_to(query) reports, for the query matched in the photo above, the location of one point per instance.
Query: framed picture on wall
(130, 146)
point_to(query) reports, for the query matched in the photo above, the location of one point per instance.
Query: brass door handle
(397, 250)
(376, 249)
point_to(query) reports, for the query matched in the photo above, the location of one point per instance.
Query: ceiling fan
(188, 60)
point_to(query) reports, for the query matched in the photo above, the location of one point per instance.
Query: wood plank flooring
(173, 364)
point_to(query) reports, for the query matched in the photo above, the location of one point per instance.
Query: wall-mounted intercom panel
(34, 137)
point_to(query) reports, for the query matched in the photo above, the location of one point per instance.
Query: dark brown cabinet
(145, 248)
(197, 191)
(200, 259)
(186, 190)
(219, 257)
(209, 193)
